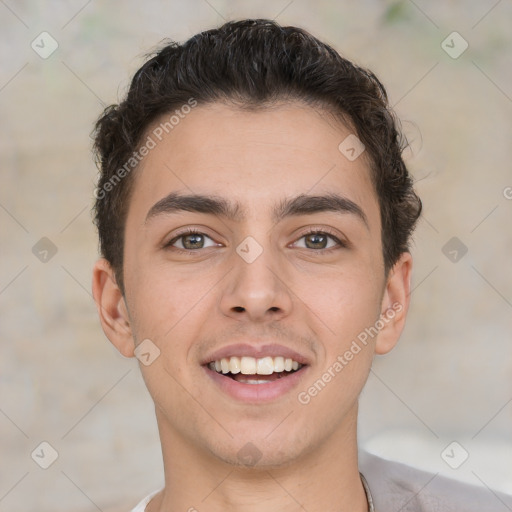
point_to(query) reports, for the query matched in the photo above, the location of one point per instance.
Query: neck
(326, 478)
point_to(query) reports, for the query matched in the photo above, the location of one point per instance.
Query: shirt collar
(368, 493)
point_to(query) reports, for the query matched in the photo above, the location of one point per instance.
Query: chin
(261, 454)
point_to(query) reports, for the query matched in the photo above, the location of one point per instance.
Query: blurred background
(447, 66)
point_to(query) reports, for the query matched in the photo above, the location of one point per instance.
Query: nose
(257, 290)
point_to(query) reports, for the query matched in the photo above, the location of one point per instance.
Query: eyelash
(313, 231)
(323, 231)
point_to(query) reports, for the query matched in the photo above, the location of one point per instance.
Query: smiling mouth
(250, 370)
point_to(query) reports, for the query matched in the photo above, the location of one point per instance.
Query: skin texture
(315, 302)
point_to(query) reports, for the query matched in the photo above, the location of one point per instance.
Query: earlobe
(112, 308)
(395, 304)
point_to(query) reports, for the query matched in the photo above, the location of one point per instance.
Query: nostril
(239, 309)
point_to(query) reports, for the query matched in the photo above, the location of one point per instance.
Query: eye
(318, 240)
(192, 240)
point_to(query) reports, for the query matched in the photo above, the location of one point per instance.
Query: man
(254, 213)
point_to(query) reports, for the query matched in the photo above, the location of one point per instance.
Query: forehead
(254, 158)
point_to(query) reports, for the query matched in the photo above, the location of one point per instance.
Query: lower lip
(256, 393)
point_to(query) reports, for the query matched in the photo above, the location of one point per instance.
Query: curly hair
(252, 64)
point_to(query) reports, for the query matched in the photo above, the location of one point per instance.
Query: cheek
(345, 301)
(164, 309)
(345, 304)
(161, 297)
(347, 308)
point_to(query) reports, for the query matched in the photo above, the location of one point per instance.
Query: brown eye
(192, 241)
(318, 241)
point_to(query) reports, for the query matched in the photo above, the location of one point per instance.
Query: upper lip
(256, 351)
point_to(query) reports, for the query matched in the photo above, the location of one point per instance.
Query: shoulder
(396, 486)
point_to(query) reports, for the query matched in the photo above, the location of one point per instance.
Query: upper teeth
(251, 366)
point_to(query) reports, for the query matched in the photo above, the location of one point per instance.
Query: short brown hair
(252, 64)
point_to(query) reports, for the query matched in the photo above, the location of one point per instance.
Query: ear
(112, 308)
(395, 304)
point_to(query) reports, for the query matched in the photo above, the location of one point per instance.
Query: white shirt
(141, 507)
(397, 487)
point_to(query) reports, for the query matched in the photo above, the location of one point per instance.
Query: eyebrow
(302, 204)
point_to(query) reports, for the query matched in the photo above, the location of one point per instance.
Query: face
(253, 265)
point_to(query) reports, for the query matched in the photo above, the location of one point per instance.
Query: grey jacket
(396, 487)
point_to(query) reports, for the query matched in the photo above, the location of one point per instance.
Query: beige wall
(61, 382)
